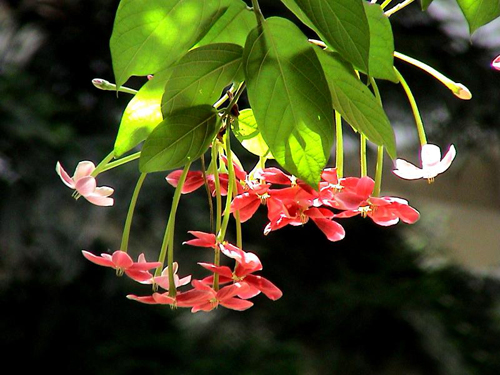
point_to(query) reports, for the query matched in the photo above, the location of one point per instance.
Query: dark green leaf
(341, 24)
(355, 102)
(201, 75)
(289, 95)
(381, 43)
(233, 27)
(425, 4)
(183, 136)
(479, 12)
(142, 115)
(148, 36)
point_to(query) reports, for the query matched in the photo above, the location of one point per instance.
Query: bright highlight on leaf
(290, 98)
(247, 132)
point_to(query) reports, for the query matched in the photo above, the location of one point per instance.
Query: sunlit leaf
(247, 132)
(148, 36)
(142, 115)
(289, 95)
(183, 136)
(233, 27)
(479, 12)
(381, 43)
(355, 102)
(201, 75)
(341, 24)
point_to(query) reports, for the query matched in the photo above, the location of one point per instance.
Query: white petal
(83, 169)
(430, 156)
(68, 181)
(407, 170)
(447, 160)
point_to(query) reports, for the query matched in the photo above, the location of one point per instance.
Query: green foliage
(142, 115)
(341, 24)
(148, 36)
(233, 27)
(425, 4)
(247, 132)
(354, 101)
(479, 12)
(183, 136)
(381, 63)
(289, 95)
(201, 75)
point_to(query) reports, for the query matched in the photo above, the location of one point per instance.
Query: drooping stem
(130, 214)
(458, 89)
(230, 187)
(414, 108)
(362, 154)
(168, 238)
(218, 198)
(102, 165)
(209, 194)
(385, 4)
(119, 162)
(339, 150)
(378, 171)
(398, 7)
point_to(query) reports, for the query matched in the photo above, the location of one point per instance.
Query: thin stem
(130, 214)
(102, 165)
(362, 152)
(339, 150)
(398, 7)
(218, 198)
(121, 161)
(221, 101)
(102, 84)
(209, 194)
(458, 89)
(414, 108)
(230, 167)
(378, 171)
(385, 4)
(168, 238)
(257, 11)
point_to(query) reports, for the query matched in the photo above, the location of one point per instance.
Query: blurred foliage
(366, 305)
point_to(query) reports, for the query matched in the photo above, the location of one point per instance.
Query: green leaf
(233, 27)
(148, 36)
(425, 4)
(201, 75)
(142, 115)
(289, 95)
(247, 132)
(381, 43)
(355, 102)
(184, 136)
(341, 24)
(479, 12)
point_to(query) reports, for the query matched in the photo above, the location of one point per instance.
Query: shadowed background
(421, 299)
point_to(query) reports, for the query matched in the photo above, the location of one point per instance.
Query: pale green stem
(398, 7)
(168, 238)
(120, 162)
(458, 89)
(230, 167)
(339, 150)
(414, 108)
(378, 171)
(209, 193)
(218, 199)
(130, 214)
(385, 4)
(102, 84)
(257, 11)
(362, 152)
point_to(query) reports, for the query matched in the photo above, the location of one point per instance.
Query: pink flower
(432, 164)
(207, 298)
(163, 280)
(496, 63)
(123, 263)
(202, 239)
(85, 184)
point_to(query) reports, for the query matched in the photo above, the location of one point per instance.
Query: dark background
(377, 302)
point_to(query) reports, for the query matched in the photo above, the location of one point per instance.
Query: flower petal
(333, 230)
(236, 304)
(447, 159)
(122, 260)
(101, 261)
(430, 156)
(99, 200)
(496, 63)
(68, 181)
(143, 299)
(83, 169)
(407, 170)
(202, 239)
(85, 185)
(270, 290)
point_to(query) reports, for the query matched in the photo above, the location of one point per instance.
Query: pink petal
(236, 304)
(68, 181)
(194, 180)
(122, 260)
(365, 187)
(330, 176)
(98, 260)
(83, 169)
(447, 160)
(86, 185)
(221, 270)
(184, 281)
(99, 200)
(145, 266)
(146, 299)
(205, 306)
(247, 204)
(231, 290)
(248, 261)
(274, 176)
(407, 170)
(139, 276)
(333, 230)
(163, 298)
(251, 292)
(202, 239)
(265, 286)
(103, 191)
(408, 214)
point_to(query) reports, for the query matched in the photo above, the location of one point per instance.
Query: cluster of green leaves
(196, 48)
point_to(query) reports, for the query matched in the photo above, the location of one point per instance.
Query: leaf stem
(257, 11)
(339, 149)
(130, 214)
(398, 7)
(414, 108)
(121, 161)
(218, 199)
(209, 194)
(168, 238)
(362, 151)
(378, 171)
(385, 4)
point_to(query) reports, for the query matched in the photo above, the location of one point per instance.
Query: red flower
(194, 180)
(202, 239)
(123, 263)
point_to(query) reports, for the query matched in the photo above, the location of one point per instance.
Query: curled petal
(430, 155)
(101, 261)
(247, 204)
(333, 230)
(163, 298)
(99, 200)
(143, 299)
(407, 170)
(270, 290)
(202, 239)
(221, 270)
(68, 181)
(447, 159)
(83, 169)
(194, 180)
(122, 260)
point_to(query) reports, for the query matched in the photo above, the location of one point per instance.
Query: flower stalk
(130, 214)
